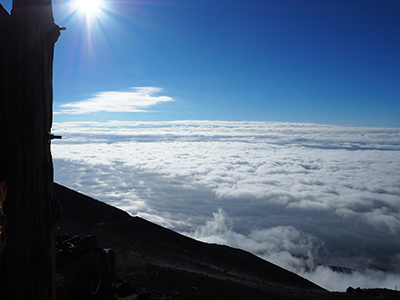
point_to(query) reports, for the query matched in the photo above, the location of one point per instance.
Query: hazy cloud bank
(293, 250)
(298, 195)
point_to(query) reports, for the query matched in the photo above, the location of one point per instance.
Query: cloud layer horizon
(303, 196)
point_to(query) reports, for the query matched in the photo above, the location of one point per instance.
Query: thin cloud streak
(136, 100)
(335, 190)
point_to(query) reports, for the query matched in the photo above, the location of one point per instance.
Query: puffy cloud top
(299, 195)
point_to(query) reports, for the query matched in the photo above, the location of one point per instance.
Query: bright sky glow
(92, 12)
(90, 8)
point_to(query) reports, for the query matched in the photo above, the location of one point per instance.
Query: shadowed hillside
(162, 264)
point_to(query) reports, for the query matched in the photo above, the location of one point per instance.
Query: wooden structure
(27, 39)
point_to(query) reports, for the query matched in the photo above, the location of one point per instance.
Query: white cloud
(293, 250)
(339, 185)
(136, 100)
(282, 245)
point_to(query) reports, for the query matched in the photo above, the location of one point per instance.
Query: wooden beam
(28, 262)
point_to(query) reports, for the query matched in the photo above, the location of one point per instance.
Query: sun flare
(90, 8)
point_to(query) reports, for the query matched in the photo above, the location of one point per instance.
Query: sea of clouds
(320, 200)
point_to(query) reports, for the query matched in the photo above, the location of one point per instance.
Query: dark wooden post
(28, 263)
(4, 84)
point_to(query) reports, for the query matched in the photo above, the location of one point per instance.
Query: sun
(89, 5)
(91, 9)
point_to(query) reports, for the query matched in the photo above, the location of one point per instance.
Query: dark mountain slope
(171, 266)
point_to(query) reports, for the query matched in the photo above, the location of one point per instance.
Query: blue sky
(331, 62)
